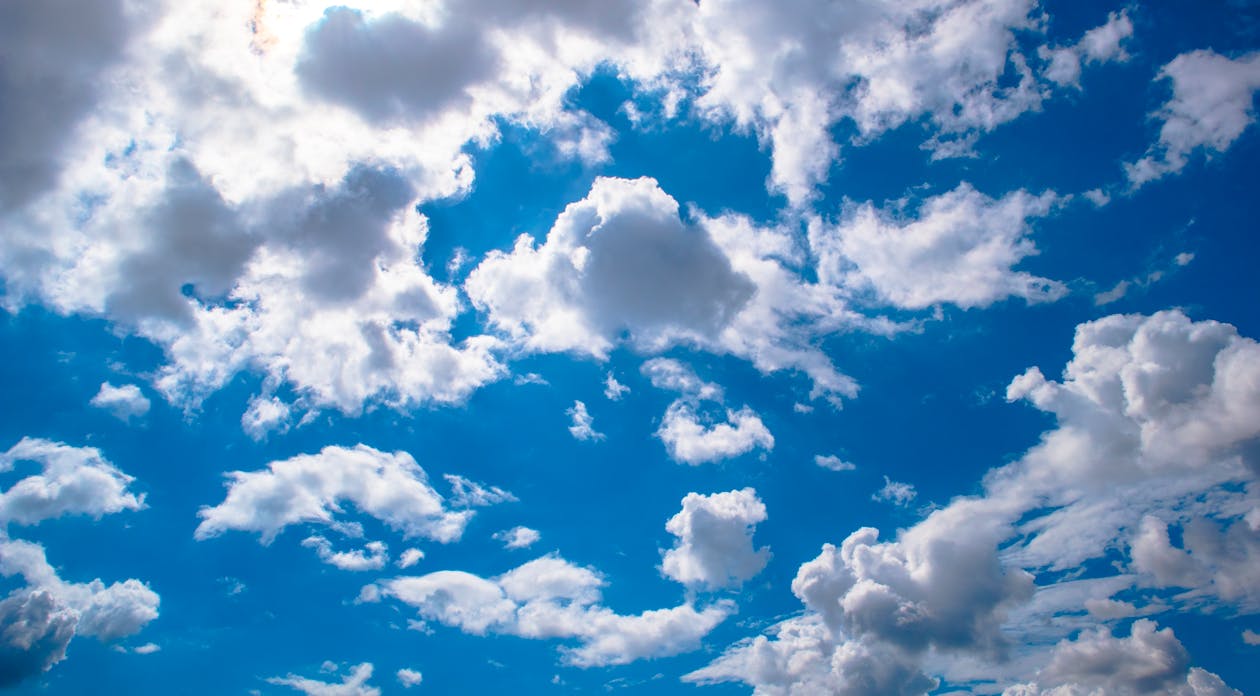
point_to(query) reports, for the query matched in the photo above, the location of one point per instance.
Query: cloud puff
(373, 556)
(550, 598)
(310, 488)
(960, 248)
(582, 427)
(354, 684)
(1147, 661)
(620, 259)
(409, 677)
(72, 481)
(518, 537)
(832, 462)
(125, 402)
(895, 492)
(1211, 105)
(715, 545)
(693, 435)
(1099, 45)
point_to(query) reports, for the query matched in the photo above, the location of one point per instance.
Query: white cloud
(691, 438)
(39, 619)
(409, 677)
(715, 546)
(1157, 419)
(1099, 45)
(373, 556)
(146, 649)
(1145, 662)
(832, 462)
(1211, 106)
(518, 537)
(550, 598)
(895, 492)
(410, 557)
(1250, 637)
(265, 415)
(960, 248)
(72, 481)
(469, 494)
(309, 489)
(614, 390)
(354, 684)
(582, 427)
(125, 402)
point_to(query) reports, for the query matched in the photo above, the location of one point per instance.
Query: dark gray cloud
(34, 632)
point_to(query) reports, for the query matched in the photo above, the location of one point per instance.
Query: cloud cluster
(1157, 419)
(311, 489)
(551, 598)
(40, 618)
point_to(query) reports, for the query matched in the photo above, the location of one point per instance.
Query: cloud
(373, 555)
(551, 598)
(39, 619)
(1211, 106)
(354, 684)
(1156, 424)
(715, 547)
(410, 557)
(72, 481)
(265, 415)
(310, 488)
(1147, 661)
(832, 462)
(1250, 637)
(895, 492)
(518, 537)
(614, 390)
(125, 402)
(1099, 45)
(960, 248)
(620, 259)
(409, 677)
(695, 436)
(470, 494)
(583, 425)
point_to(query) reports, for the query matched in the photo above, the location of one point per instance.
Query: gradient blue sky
(976, 274)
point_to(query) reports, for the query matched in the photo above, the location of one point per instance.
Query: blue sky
(649, 346)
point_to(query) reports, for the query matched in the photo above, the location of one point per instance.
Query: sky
(874, 347)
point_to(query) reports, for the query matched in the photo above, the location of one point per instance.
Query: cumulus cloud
(72, 481)
(1147, 661)
(614, 390)
(715, 540)
(551, 598)
(583, 425)
(961, 247)
(1156, 425)
(1099, 45)
(518, 537)
(1250, 637)
(310, 489)
(694, 434)
(1212, 104)
(39, 619)
(373, 556)
(354, 684)
(125, 402)
(409, 677)
(265, 415)
(410, 557)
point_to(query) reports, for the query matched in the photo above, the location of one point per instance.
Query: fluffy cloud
(409, 677)
(125, 402)
(372, 556)
(310, 488)
(72, 481)
(692, 433)
(518, 537)
(550, 598)
(895, 492)
(960, 248)
(614, 390)
(583, 425)
(39, 619)
(354, 684)
(715, 545)
(1148, 661)
(620, 259)
(1098, 45)
(1211, 105)
(832, 462)
(1157, 419)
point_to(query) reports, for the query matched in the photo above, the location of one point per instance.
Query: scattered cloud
(582, 427)
(518, 537)
(832, 462)
(715, 546)
(125, 402)
(72, 481)
(354, 684)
